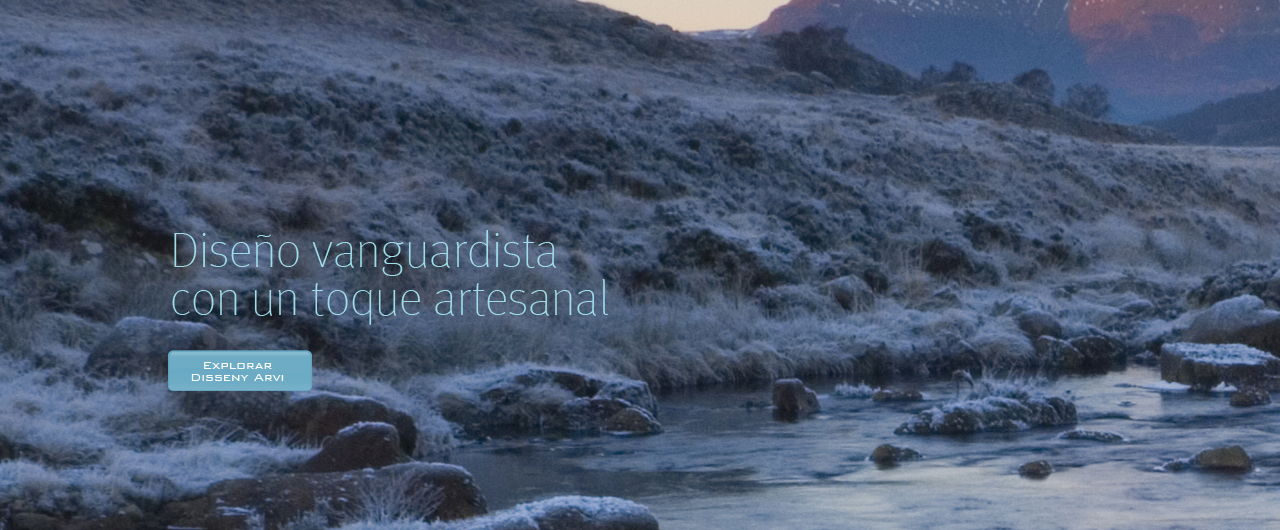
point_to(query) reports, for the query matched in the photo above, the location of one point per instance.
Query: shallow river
(721, 465)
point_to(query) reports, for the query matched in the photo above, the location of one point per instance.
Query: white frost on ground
(525, 516)
(1220, 354)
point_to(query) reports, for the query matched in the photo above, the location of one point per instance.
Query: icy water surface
(720, 465)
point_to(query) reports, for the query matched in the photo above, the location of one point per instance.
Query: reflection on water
(720, 465)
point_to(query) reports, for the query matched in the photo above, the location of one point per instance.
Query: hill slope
(746, 222)
(1248, 120)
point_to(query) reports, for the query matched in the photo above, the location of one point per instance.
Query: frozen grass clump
(394, 501)
(848, 391)
(435, 434)
(105, 444)
(56, 415)
(598, 512)
(192, 468)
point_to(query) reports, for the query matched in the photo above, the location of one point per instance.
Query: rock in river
(1037, 469)
(1203, 366)
(992, 414)
(792, 400)
(1240, 320)
(1232, 458)
(1250, 396)
(1097, 436)
(889, 455)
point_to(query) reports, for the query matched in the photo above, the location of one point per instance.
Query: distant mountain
(1001, 37)
(1248, 120)
(1157, 56)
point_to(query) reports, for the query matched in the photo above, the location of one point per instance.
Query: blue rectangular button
(239, 370)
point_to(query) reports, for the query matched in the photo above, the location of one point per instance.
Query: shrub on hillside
(961, 73)
(827, 52)
(1037, 82)
(1090, 100)
(818, 49)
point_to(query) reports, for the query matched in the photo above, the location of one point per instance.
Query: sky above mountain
(698, 15)
(1159, 57)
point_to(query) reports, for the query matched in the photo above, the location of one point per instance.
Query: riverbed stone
(632, 420)
(1250, 396)
(634, 392)
(1203, 366)
(1037, 469)
(1233, 458)
(1240, 320)
(359, 446)
(1097, 436)
(597, 415)
(1096, 355)
(888, 455)
(792, 400)
(140, 346)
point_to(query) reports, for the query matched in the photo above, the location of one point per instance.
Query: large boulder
(255, 411)
(595, 415)
(1240, 320)
(314, 416)
(632, 420)
(792, 400)
(141, 346)
(634, 392)
(1203, 366)
(1081, 355)
(234, 504)
(1038, 324)
(358, 446)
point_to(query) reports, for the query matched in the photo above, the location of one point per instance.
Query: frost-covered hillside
(751, 223)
